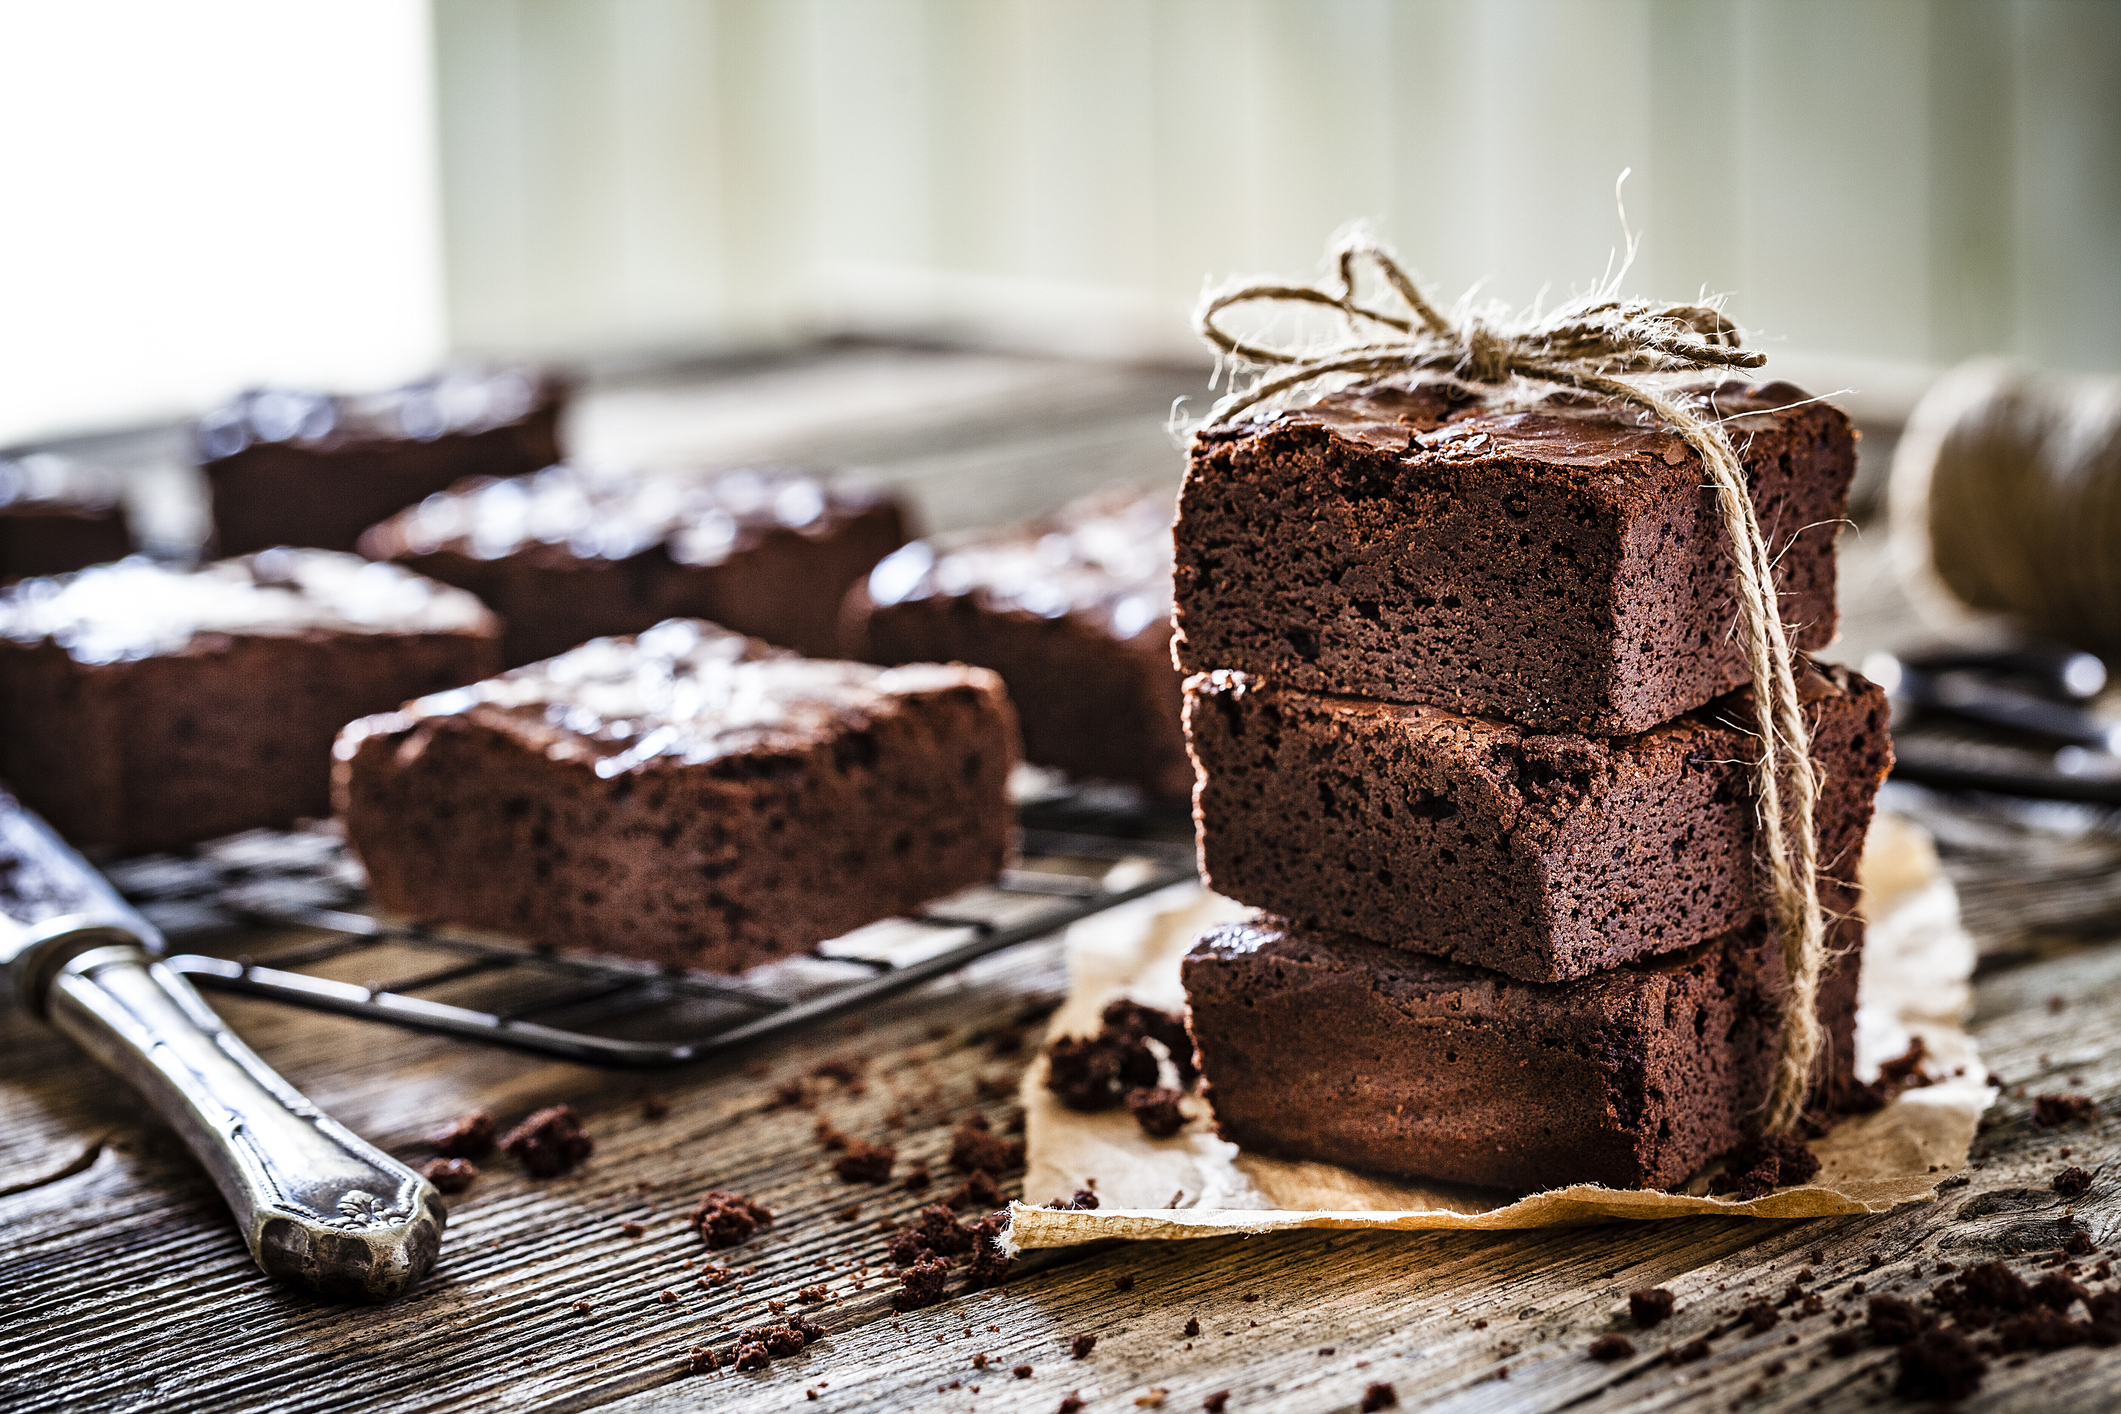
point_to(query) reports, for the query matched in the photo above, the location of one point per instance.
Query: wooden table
(124, 1286)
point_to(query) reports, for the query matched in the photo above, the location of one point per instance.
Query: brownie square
(575, 553)
(297, 468)
(1563, 568)
(1073, 610)
(57, 515)
(1541, 856)
(1322, 1046)
(689, 796)
(146, 707)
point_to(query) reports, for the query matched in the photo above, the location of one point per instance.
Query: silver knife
(317, 1205)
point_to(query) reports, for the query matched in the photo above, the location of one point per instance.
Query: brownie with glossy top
(1073, 610)
(145, 707)
(579, 552)
(291, 467)
(1562, 567)
(688, 796)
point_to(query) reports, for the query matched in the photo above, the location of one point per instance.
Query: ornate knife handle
(317, 1205)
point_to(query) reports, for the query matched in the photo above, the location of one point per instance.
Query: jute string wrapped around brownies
(1620, 350)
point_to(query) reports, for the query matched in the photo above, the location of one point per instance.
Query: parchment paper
(1915, 982)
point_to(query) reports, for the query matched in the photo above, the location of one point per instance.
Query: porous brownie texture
(147, 707)
(1633, 1078)
(288, 467)
(1541, 856)
(58, 515)
(1074, 612)
(576, 552)
(1564, 568)
(689, 796)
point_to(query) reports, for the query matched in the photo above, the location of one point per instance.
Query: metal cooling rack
(603, 1010)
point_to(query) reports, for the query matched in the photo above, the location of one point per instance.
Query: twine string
(1604, 346)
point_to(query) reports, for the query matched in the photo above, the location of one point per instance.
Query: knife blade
(317, 1205)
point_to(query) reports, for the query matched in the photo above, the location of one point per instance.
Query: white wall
(1890, 183)
(202, 195)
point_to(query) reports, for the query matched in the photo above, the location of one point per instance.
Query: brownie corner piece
(1562, 567)
(1320, 1046)
(1545, 856)
(687, 796)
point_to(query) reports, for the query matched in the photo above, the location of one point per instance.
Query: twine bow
(1604, 346)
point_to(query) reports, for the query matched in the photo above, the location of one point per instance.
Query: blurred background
(675, 196)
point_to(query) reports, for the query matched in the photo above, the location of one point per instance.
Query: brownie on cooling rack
(1317, 1045)
(1562, 567)
(287, 467)
(688, 796)
(58, 515)
(1073, 610)
(574, 553)
(145, 707)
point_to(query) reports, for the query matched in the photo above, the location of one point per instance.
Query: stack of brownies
(1471, 724)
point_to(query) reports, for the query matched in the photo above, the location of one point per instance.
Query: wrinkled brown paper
(1916, 970)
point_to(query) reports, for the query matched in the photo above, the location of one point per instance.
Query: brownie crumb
(918, 1179)
(851, 1213)
(633, 1231)
(752, 1355)
(549, 1143)
(1939, 1364)
(1379, 1396)
(1217, 1402)
(813, 1295)
(1686, 1354)
(1022, 1372)
(1083, 1201)
(2058, 1293)
(1649, 1306)
(1124, 1282)
(828, 1135)
(2052, 1110)
(1167, 1029)
(450, 1175)
(1609, 1348)
(865, 1162)
(979, 1359)
(470, 1137)
(1070, 1402)
(973, 1146)
(1081, 1346)
(1759, 1166)
(1893, 1321)
(655, 1107)
(923, 1284)
(1192, 1327)
(1092, 1073)
(1157, 1112)
(1761, 1316)
(840, 1068)
(2070, 1183)
(939, 1230)
(724, 1219)
(700, 1360)
(1843, 1343)
(978, 1191)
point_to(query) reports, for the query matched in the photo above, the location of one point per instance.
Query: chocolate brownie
(1541, 856)
(1074, 612)
(1633, 1077)
(146, 707)
(1563, 568)
(690, 796)
(575, 553)
(57, 515)
(298, 468)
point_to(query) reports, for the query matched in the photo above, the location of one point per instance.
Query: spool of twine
(2005, 501)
